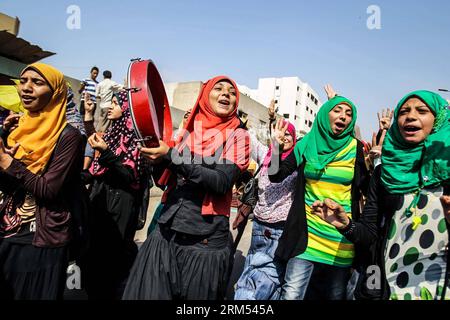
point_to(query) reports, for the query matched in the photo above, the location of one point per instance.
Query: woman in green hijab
(408, 209)
(330, 164)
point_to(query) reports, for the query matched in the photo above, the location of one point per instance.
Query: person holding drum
(188, 255)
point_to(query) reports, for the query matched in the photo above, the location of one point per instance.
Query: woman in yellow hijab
(40, 165)
(43, 121)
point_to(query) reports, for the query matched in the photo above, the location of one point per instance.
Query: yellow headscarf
(38, 134)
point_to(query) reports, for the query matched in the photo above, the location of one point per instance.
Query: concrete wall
(257, 116)
(11, 68)
(9, 24)
(183, 95)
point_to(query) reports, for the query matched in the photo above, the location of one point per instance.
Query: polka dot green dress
(415, 256)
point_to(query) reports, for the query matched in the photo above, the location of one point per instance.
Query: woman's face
(34, 91)
(415, 121)
(340, 118)
(114, 110)
(288, 141)
(222, 98)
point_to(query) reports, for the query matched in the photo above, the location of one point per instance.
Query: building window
(277, 88)
(311, 111)
(310, 123)
(298, 88)
(307, 108)
(306, 122)
(296, 103)
(286, 115)
(309, 95)
(276, 101)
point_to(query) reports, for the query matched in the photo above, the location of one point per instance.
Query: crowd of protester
(330, 209)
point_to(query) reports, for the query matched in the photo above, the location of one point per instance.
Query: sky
(319, 41)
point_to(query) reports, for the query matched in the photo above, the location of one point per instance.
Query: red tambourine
(149, 106)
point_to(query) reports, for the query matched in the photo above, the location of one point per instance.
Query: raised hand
(272, 110)
(385, 118)
(97, 142)
(11, 122)
(88, 103)
(329, 90)
(278, 131)
(155, 154)
(186, 116)
(6, 155)
(375, 150)
(331, 212)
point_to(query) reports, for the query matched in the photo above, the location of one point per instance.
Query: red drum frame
(149, 106)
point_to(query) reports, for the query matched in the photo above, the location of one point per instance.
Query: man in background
(88, 86)
(104, 94)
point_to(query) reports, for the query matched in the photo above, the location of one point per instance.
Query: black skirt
(112, 250)
(31, 273)
(173, 265)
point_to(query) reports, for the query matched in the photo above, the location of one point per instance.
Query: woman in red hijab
(188, 255)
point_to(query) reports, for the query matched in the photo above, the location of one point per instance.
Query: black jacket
(182, 210)
(113, 200)
(195, 177)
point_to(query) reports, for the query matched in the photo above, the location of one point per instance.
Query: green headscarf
(320, 146)
(407, 167)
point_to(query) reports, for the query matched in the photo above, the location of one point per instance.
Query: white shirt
(105, 91)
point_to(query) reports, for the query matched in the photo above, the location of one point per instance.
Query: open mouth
(340, 126)
(28, 99)
(411, 129)
(225, 103)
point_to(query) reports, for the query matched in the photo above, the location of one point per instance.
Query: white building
(295, 99)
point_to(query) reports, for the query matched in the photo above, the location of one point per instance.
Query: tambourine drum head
(159, 96)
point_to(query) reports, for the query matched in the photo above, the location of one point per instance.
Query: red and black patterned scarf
(122, 141)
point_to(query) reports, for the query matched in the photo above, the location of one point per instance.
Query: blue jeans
(89, 152)
(262, 275)
(307, 280)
